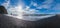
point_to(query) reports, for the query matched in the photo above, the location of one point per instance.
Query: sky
(31, 6)
(20, 7)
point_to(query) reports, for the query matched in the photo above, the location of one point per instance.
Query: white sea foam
(31, 18)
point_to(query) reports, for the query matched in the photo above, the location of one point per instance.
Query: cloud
(47, 4)
(6, 3)
(22, 8)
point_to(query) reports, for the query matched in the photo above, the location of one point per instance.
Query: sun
(19, 10)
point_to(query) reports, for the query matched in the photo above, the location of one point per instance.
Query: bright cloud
(19, 8)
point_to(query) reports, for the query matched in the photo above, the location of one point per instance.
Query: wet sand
(10, 22)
